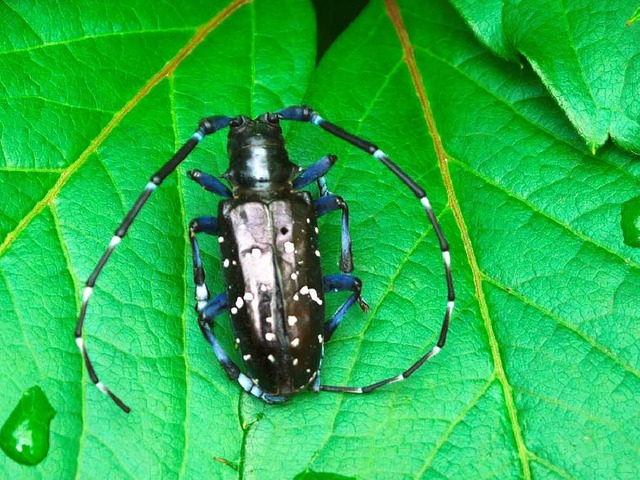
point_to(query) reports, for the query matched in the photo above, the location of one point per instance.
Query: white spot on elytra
(234, 310)
(294, 276)
(292, 320)
(295, 362)
(269, 320)
(238, 341)
(304, 290)
(220, 239)
(288, 247)
(271, 358)
(316, 229)
(320, 338)
(308, 220)
(248, 296)
(233, 262)
(263, 288)
(239, 302)
(225, 263)
(317, 253)
(270, 336)
(246, 357)
(295, 342)
(256, 253)
(314, 296)
(296, 297)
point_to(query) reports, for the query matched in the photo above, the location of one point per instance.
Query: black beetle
(267, 229)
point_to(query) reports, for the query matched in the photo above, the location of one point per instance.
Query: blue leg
(208, 225)
(342, 283)
(314, 172)
(210, 183)
(206, 321)
(306, 114)
(330, 203)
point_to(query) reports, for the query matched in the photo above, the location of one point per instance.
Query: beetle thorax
(258, 159)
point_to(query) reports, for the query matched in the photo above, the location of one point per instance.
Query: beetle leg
(206, 127)
(304, 113)
(342, 283)
(330, 203)
(210, 226)
(315, 387)
(314, 172)
(210, 183)
(206, 319)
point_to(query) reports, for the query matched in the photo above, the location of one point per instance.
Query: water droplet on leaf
(631, 222)
(24, 437)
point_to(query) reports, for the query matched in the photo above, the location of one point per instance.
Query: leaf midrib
(70, 41)
(396, 19)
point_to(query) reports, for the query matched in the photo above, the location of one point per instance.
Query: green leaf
(584, 53)
(540, 372)
(94, 100)
(539, 377)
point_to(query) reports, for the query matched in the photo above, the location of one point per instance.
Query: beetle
(268, 235)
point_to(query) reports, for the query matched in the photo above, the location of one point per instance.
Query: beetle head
(258, 159)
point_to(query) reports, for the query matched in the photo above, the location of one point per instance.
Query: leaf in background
(94, 100)
(540, 373)
(583, 52)
(485, 19)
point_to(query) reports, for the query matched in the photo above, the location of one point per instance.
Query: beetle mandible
(267, 229)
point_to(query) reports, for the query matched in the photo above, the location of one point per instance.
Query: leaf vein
(396, 18)
(71, 41)
(452, 425)
(83, 391)
(535, 209)
(597, 346)
(510, 105)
